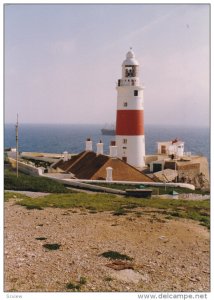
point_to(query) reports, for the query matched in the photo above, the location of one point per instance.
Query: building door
(163, 149)
(124, 158)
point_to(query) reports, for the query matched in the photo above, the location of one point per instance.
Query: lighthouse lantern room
(130, 138)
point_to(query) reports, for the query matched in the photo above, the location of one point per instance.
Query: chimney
(65, 156)
(113, 149)
(88, 145)
(100, 147)
(109, 173)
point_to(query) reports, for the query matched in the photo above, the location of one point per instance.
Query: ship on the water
(108, 130)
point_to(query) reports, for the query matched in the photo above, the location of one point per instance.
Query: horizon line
(110, 123)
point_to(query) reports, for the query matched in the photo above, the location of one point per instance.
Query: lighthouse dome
(130, 59)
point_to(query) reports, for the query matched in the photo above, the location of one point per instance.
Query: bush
(41, 238)
(120, 212)
(76, 286)
(115, 255)
(73, 286)
(52, 246)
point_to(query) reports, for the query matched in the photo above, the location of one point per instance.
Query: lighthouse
(130, 138)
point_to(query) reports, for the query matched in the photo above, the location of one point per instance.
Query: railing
(127, 82)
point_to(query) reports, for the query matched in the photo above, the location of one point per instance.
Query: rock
(128, 275)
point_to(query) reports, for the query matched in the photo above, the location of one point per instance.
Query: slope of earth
(165, 254)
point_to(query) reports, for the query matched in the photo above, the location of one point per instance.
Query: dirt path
(168, 255)
(29, 194)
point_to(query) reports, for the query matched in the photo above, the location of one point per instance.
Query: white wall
(135, 149)
(126, 94)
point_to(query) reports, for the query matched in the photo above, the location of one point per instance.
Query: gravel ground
(168, 255)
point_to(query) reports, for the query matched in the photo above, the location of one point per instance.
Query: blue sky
(62, 61)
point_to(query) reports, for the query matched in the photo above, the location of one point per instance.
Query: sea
(57, 138)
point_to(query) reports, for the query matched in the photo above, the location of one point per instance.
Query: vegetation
(15, 196)
(52, 246)
(41, 238)
(108, 278)
(37, 162)
(73, 286)
(32, 183)
(116, 255)
(120, 212)
(82, 280)
(171, 208)
(76, 286)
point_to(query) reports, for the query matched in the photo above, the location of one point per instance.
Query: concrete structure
(130, 138)
(26, 168)
(192, 169)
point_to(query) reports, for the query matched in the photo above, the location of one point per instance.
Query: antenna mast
(17, 146)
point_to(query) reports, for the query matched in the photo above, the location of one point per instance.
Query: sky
(62, 62)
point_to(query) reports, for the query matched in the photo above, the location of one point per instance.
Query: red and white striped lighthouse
(130, 138)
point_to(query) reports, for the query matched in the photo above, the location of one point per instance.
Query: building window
(124, 141)
(135, 92)
(125, 104)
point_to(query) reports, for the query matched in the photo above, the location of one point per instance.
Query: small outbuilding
(174, 147)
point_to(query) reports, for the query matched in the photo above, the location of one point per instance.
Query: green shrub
(52, 246)
(108, 278)
(73, 286)
(76, 286)
(120, 212)
(82, 280)
(32, 206)
(115, 255)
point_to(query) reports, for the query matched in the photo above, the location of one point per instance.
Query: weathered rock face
(198, 180)
(167, 175)
(195, 172)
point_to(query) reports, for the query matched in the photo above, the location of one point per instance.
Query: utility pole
(17, 146)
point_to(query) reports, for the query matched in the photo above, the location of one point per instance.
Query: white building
(174, 147)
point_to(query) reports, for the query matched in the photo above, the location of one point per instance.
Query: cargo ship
(108, 130)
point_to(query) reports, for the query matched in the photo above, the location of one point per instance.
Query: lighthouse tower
(130, 138)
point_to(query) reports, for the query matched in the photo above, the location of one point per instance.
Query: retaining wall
(26, 168)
